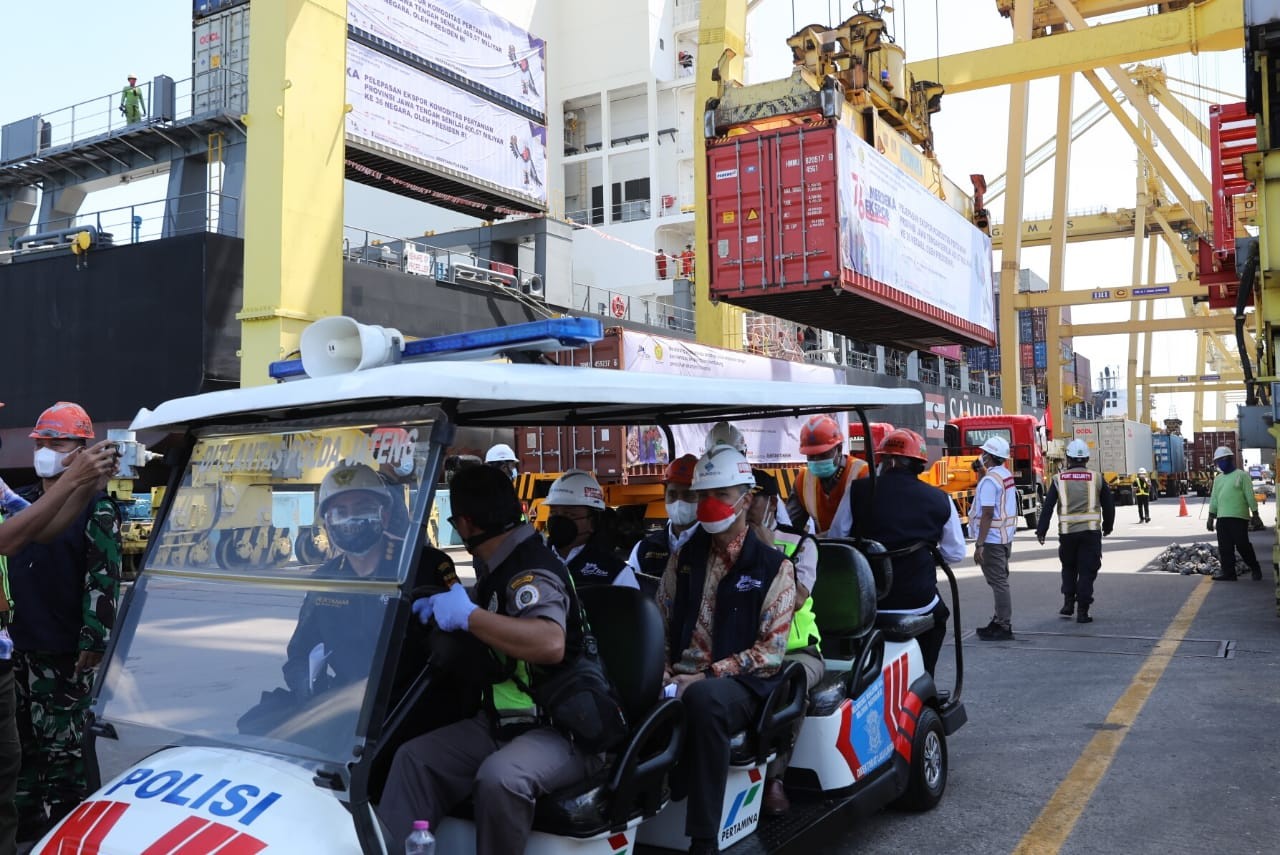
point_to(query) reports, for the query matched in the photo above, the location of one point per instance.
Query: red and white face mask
(716, 516)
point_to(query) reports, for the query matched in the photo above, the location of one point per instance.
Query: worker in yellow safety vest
(1142, 495)
(822, 487)
(1086, 513)
(804, 640)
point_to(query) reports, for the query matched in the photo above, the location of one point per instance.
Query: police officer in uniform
(822, 488)
(997, 506)
(574, 532)
(804, 641)
(650, 556)
(1086, 516)
(904, 515)
(1142, 495)
(525, 611)
(727, 603)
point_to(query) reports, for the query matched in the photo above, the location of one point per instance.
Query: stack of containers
(1033, 352)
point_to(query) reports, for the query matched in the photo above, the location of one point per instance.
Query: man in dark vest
(66, 591)
(1142, 495)
(727, 602)
(649, 558)
(1086, 513)
(524, 610)
(906, 512)
(575, 531)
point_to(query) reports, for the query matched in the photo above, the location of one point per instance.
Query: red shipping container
(787, 238)
(1026, 356)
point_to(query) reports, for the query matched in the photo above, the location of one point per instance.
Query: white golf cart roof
(494, 394)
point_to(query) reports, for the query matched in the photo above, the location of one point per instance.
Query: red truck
(962, 438)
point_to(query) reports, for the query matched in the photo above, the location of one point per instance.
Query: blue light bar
(547, 336)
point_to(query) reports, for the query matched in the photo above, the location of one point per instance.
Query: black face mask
(561, 531)
(356, 535)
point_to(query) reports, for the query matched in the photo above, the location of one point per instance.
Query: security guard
(823, 486)
(804, 642)
(577, 508)
(933, 521)
(997, 506)
(649, 558)
(1142, 495)
(1087, 515)
(524, 610)
(727, 604)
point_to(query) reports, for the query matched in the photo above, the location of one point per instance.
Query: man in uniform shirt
(822, 488)
(1231, 505)
(525, 611)
(574, 532)
(997, 506)
(1142, 495)
(1085, 516)
(649, 558)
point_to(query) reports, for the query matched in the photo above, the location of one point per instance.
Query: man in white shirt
(996, 507)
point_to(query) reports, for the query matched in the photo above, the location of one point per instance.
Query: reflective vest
(821, 504)
(1078, 506)
(1142, 487)
(804, 624)
(1004, 519)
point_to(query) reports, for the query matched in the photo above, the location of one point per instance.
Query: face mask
(682, 513)
(356, 535)
(822, 468)
(1226, 464)
(561, 531)
(49, 463)
(514, 474)
(716, 516)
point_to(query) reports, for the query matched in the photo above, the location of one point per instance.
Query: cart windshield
(270, 590)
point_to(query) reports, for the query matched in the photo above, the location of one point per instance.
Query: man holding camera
(66, 591)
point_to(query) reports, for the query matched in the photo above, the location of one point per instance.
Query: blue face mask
(1226, 464)
(822, 468)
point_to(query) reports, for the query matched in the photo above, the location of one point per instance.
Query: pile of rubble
(1188, 560)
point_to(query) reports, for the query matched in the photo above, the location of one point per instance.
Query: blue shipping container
(1024, 326)
(1169, 453)
(1041, 351)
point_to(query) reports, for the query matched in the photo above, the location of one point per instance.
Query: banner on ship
(414, 115)
(896, 232)
(768, 440)
(465, 38)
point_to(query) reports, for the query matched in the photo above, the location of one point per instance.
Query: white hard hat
(1078, 449)
(501, 453)
(722, 466)
(723, 433)
(1142, 470)
(576, 488)
(1222, 451)
(349, 477)
(997, 446)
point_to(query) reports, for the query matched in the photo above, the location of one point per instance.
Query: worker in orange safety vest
(821, 488)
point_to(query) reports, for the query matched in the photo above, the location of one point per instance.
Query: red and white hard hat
(576, 488)
(64, 420)
(819, 435)
(722, 466)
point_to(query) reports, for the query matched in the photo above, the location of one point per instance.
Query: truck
(1200, 457)
(1118, 448)
(857, 440)
(955, 472)
(1171, 472)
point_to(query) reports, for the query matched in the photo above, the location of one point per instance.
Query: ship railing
(617, 306)
(190, 213)
(687, 12)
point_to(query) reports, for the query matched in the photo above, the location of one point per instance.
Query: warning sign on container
(752, 215)
(728, 216)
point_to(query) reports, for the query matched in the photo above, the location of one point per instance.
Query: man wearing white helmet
(724, 433)
(504, 458)
(1231, 505)
(1086, 516)
(574, 532)
(727, 602)
(1142, 495)
(996, 507)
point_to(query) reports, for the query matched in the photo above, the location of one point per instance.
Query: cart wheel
(928, 778)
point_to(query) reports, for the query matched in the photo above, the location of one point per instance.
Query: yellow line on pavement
(1054, 824)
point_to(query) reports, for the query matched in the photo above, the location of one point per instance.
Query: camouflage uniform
(53, 697)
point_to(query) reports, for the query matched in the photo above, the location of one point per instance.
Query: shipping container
(1170, 453)
(1026, 356)
(1117, 445)
(1039, 327)
(812, 225)
(1025, 327)
(1204, 443)
(220, 62)
(1041, 353)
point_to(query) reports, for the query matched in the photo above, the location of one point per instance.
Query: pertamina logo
(745, 811)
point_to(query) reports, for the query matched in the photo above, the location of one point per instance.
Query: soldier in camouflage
(66, 591)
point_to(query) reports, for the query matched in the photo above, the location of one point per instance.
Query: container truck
(955, 472)
(1171, 463)
(1200, 457)
(1117, 449)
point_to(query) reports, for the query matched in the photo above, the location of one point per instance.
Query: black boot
(1082, 614)
(1068, 605)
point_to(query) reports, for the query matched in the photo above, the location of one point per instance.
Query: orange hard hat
(904, 443)
(64, 420)
(819, 435)
(680, 471)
